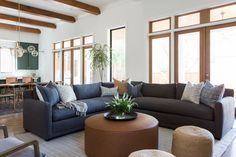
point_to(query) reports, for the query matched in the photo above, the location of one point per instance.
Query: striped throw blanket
(79, 106)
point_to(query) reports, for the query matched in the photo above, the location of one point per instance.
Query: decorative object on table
(122, 85)
(121, 108)
(19, 50)
(99, 57)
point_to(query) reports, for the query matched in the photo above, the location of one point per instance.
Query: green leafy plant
(122, 105)
(99, 58)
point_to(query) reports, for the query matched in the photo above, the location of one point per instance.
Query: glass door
(189, 50)
(67, 67)
(221, 54)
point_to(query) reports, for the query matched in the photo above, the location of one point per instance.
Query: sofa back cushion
(87, 91)
(159, 90)
(108, 84)
(179, 90)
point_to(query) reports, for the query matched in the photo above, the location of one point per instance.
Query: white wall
(24, 37)
(134, 14)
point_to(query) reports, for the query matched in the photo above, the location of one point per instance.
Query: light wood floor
(14, 122)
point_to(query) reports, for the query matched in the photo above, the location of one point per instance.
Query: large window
(88, 72)
(69, 60)
(7, 59)
(188, 56)
(160, 59)
(118, 56)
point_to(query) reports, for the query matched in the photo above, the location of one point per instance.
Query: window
(88, 72)
(7, 59)
(69, 62)
(76, 42)
(67, 67)
(118, 59)
(222, 56)
(222, 13)
(77, 67)
(57, 66)
(188, 20)
(160, 59)
(88, 40)
(188, 56)
(66, 44)
(160, 25)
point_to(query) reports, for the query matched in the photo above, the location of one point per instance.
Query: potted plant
(99, 58)
(121, 106)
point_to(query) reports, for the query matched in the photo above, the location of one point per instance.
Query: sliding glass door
(222, 54)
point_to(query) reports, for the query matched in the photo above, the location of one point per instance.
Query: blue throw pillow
(48, 93)
(135, 91)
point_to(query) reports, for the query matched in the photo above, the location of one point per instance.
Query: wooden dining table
(15, 86)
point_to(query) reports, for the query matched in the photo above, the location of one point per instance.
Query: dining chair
(11, 146)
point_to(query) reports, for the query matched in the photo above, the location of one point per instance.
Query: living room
(63, 63)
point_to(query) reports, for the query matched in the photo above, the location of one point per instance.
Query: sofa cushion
(192, 92)
(135, 90)
(159, 90)
(87, 91)
(61, 114)
(174, 106)
(108, 84)
(109, 91)
(66, 93)
(179, 90)
(97, 104)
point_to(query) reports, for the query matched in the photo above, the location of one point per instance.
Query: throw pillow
(210, 94)
(109, 91)
(192, 92)
(135, 91)
(122, 85)
(48, 93)
(66, 93)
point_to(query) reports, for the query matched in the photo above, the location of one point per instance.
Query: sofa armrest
(37, 117)
(224, 116)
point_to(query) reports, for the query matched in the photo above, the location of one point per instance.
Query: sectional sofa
(159, 100)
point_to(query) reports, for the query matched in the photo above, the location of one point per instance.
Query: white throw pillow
(192, 92)
(66, 93)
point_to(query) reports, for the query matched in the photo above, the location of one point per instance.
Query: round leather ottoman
(107, 138)
(150, 153)
(192, 141)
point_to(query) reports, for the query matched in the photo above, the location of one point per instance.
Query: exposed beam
(27, 21)
(22, 29)
(85, 7)
(36, 11)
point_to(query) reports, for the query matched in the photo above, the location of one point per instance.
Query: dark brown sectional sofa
(159, 100)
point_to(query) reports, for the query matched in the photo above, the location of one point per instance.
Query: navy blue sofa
(159, 100)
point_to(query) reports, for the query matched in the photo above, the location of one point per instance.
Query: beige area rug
(72, 145)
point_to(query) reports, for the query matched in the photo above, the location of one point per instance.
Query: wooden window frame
(151, 22)
(150, 53)
(202, 57)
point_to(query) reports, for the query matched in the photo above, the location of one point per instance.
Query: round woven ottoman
(192, 141)
(150, 153)
(107, 138)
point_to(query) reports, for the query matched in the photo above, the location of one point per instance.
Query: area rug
(73, 145)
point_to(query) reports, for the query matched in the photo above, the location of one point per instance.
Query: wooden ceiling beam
(36, 11)
(27, 21)
(22, 29)
(85, 7)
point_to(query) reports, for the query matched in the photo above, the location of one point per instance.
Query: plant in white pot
(99, 58)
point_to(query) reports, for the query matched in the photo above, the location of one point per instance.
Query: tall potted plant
(99, 58)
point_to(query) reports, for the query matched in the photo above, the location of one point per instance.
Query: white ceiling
(52, 6)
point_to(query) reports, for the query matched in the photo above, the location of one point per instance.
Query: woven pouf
(192, 141)
(150, 153)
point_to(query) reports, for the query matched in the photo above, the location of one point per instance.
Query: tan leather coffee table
(107, 138)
